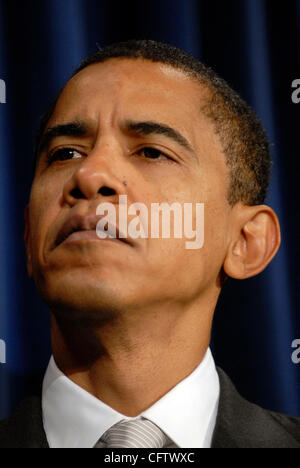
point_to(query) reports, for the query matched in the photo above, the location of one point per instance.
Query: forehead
(109, 93)
(132, 88)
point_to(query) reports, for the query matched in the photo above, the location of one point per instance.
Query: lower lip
(84, 236)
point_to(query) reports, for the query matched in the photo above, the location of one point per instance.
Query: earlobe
(255, 243)
(27, 241)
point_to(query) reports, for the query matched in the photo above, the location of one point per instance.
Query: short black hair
(241, 133)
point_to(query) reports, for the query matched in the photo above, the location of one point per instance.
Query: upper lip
(82, 223)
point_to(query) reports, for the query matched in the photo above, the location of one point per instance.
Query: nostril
(106, 191)
(77, 193)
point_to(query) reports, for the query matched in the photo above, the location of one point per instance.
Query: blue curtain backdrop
(255, 46)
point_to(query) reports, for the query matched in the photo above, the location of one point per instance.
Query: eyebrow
(144, 128)
(157, 128)
(73, 129)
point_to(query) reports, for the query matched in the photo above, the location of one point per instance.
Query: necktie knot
(138, 433)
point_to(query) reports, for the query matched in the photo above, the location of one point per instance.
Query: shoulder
(24, 429)
(242, 424)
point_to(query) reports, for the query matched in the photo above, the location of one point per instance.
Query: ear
(27, 241)
(255, 240)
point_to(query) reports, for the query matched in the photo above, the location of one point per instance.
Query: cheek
(43, 208)
(216, 214)
(216, 231)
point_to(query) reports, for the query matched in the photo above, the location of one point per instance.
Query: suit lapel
(241, 424)
(25, 428)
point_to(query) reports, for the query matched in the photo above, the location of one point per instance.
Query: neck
(132, 362)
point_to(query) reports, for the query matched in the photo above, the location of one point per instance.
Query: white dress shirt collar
(73, 418)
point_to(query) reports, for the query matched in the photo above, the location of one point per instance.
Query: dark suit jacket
(240, 424)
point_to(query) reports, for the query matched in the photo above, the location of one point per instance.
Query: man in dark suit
(140, 125)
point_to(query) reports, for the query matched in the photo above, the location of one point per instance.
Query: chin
(85, 298)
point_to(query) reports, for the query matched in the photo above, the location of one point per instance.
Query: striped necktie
(138, 433)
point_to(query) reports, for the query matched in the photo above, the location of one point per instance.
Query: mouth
(80, 228)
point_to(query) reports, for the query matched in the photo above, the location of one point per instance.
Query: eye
(63, 154)
(152, 153)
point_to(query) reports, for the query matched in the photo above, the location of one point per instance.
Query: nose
(96, 176)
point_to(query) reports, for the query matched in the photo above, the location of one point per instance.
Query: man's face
(114, 153)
